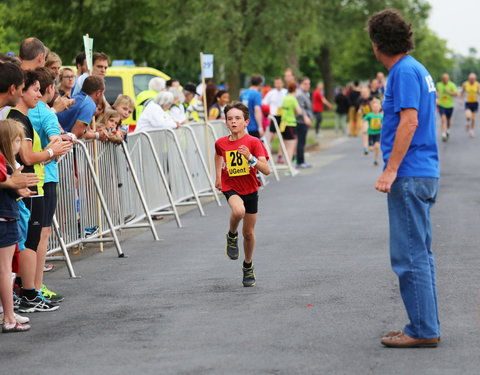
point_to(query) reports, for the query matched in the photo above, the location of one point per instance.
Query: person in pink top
(318, 103)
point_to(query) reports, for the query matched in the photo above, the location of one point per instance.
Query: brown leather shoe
(393, 333)
(405, 341)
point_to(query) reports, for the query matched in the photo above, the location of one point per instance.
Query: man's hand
(384, 183)
(59, 147)
(19, 180)
(61, 104)
(307, 120)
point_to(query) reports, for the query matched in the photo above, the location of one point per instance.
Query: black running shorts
(250, 201)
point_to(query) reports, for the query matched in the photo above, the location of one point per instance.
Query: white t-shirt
(79, 83)
(177, 112)
(154, 117)
(274, 99)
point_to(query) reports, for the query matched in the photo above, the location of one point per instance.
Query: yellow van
(129, 80)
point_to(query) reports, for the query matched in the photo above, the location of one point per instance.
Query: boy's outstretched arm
(218, 171)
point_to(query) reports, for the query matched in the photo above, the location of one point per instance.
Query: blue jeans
(411, 255)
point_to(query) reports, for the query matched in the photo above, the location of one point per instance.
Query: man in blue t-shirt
(252, 98)
(410, 177)
(77, 118)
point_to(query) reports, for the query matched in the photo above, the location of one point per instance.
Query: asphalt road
(324, 296)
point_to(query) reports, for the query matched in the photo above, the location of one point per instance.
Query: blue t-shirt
(410, 85)
(79, 84)
(251, 98)
(45, 124)
(82, 110)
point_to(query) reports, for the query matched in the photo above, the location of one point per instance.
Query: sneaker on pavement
(304, 165)
(37, 304)
(51, 296)
(20, 319)
(232, 247)
(444, 137)
(14, 327)
(248, 276)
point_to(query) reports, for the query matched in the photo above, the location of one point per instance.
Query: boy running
(374, 120)
(237, 158)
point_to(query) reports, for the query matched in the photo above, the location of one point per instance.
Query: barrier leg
(66, 256)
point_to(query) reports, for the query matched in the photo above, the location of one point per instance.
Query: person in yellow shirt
(472, 88)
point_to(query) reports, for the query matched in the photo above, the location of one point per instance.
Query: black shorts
(50, 203)
(445, 111)
(250, 201)
(472, 106)
(290, 133)
(272, 127)
(35, 206)
(373, 138)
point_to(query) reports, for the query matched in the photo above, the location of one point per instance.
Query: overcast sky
(457, 22)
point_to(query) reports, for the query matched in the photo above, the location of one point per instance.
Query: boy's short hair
(256, 80)
(100, 56)
(376, 100)
(292, 87)
(124, 99)
(30, 78)
(45, 77)
(10, 74)
(238, 105)
(390, 33)
(92, 84)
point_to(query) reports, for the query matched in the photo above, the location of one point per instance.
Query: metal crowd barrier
(288, 158)
(90, 202)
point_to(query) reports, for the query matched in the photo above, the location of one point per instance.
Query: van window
(113, 87)
(140, 82)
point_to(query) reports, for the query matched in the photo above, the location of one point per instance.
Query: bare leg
(468, 116)
(6, 293)
(28, 264)
(41, 255)
(377, 151)
(249, 236)
(238, 212)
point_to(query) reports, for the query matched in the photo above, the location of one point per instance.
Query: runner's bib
(237, 164)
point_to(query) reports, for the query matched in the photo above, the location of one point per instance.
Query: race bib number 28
(237, 164)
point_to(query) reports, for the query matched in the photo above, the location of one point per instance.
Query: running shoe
(375, 162)
(20, 319)
(14, 327)
(365, 151)
(90, 231)
(280, 160)
(248, 277)
(232, 247)
(51, 296)
(37, 304)
(444, 137)
(471, 133)
(304, 166)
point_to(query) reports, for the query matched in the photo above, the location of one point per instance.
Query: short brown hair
(292, 87)
(45, 77)
(256, 80)
(100, 56)
(238, 105)
(92, 84)
(390, 33)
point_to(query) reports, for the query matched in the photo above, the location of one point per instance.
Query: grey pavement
(325, 292)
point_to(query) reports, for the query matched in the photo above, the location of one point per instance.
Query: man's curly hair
(391, 34)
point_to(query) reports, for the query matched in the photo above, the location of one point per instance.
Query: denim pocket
(426, 188)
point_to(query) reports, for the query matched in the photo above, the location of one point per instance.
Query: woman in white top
(177, 111)
(155, 115)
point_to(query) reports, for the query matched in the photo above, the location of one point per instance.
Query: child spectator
(215, 112)
(374, 120)
(363, 110)
(67, 81)
(109, 121)
(11, 135)
(125, 106)
(343, 104)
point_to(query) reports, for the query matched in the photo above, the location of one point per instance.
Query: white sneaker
(20, 319)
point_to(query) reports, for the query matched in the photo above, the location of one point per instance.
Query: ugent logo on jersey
(430, 83)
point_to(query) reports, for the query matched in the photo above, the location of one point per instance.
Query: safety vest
(141, 101)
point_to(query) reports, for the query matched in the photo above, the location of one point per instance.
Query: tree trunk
(233, 79)
(324, 64)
